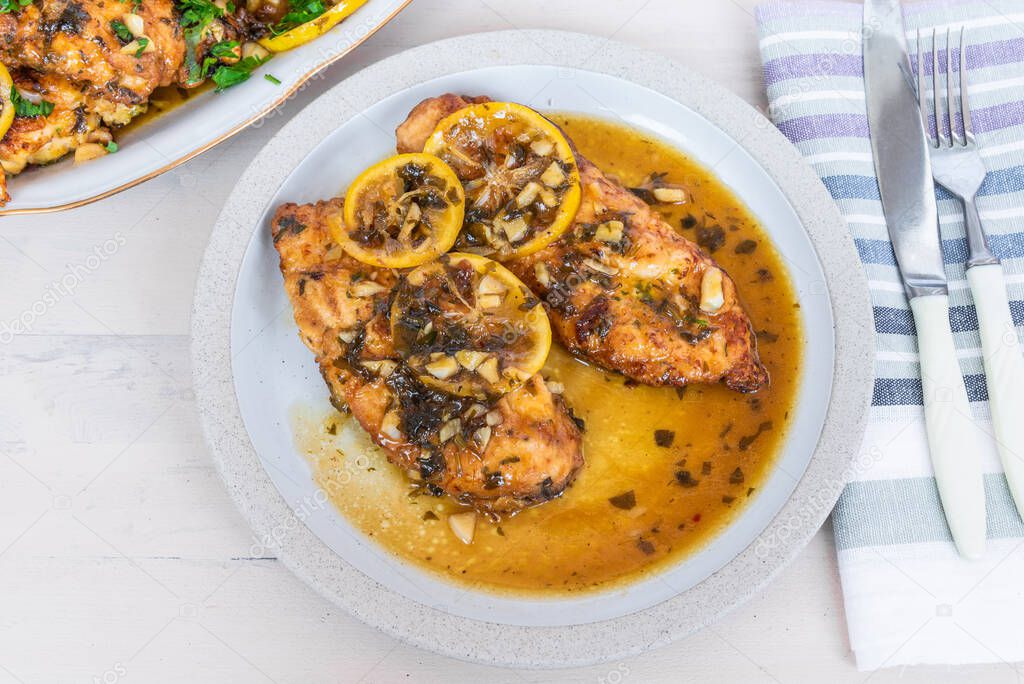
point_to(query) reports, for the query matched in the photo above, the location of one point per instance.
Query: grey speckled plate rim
(417, 624)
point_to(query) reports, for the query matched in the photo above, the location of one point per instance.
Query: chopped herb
(225, 49)
(625, 501)
(711, 238)
(273, 79)
(143, 43)
(766, 336)
(111, 147)
(728, 499)
(736, 477)
(196, 15)
(236, 73)
(430, 515)
(121, 31)
(664, 438)
(645, 546)
(705, 468)
(501, 532)
(689, 221)
(8, 6)
(745, 247)
(23, 107)
(332, 429)
(301, 12)
(745, 442)
(684, 478)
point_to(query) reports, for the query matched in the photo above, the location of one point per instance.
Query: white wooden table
(121, 556)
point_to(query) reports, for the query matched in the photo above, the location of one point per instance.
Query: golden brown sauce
(162, 100)
(722, 445)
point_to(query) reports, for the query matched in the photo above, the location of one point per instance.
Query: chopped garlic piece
(669, 195)
(488, 370)
(489, 301)
(135, 24)
(540, 270)
(528, 194)
(491, 285)
(482, 436)
(88, 152)
(542, 147)
(443, 368)
(449, 430)
(610, 231)
(475, 410)
(382, 368)
(469, 359)
(389, 425)
(711, 295)
(515, 229)
(553, 176)
(366, 288)
(463, 525)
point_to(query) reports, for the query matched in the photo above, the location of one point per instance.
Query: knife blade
(899, 145)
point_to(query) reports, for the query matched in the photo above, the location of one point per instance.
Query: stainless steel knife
(900, 148)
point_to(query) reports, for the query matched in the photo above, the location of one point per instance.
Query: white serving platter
(206, 120)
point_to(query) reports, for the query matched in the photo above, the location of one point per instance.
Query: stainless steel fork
(957, 166)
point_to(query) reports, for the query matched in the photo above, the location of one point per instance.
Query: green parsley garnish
(121, 31)
(111, 147)
(225, 48)
(273, 79)
(23, 107)
(143, 42)
(239, 72)
(301, 12)
(8, 6)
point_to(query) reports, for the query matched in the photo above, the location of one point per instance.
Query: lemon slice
(402, 212)
(303, 33)
(467, 326)
(520, 174)
(7, 113)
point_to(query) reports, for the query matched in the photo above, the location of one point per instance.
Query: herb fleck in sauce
(636, 507)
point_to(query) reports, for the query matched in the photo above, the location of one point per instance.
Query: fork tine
(922, 97)
(965, 100)
(954, 133)
(940, 116)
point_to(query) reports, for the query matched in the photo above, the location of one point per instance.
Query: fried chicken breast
(509, 452)
(75, 39)
(44, 139)
(638, 304)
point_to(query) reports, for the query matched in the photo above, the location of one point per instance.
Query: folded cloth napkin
(910, 599)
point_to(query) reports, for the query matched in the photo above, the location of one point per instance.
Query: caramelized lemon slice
(7, 113)
(519, 171)
(465, 325)
(400, 213)
(303, 33)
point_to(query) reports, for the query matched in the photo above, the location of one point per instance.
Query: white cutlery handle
(1004, 371)
(951, 433)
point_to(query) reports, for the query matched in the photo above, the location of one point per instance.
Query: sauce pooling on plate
(666, 469)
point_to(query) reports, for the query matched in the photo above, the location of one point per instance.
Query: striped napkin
(909, 598)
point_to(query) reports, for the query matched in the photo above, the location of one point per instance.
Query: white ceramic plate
(184, 132)
(251, 368)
